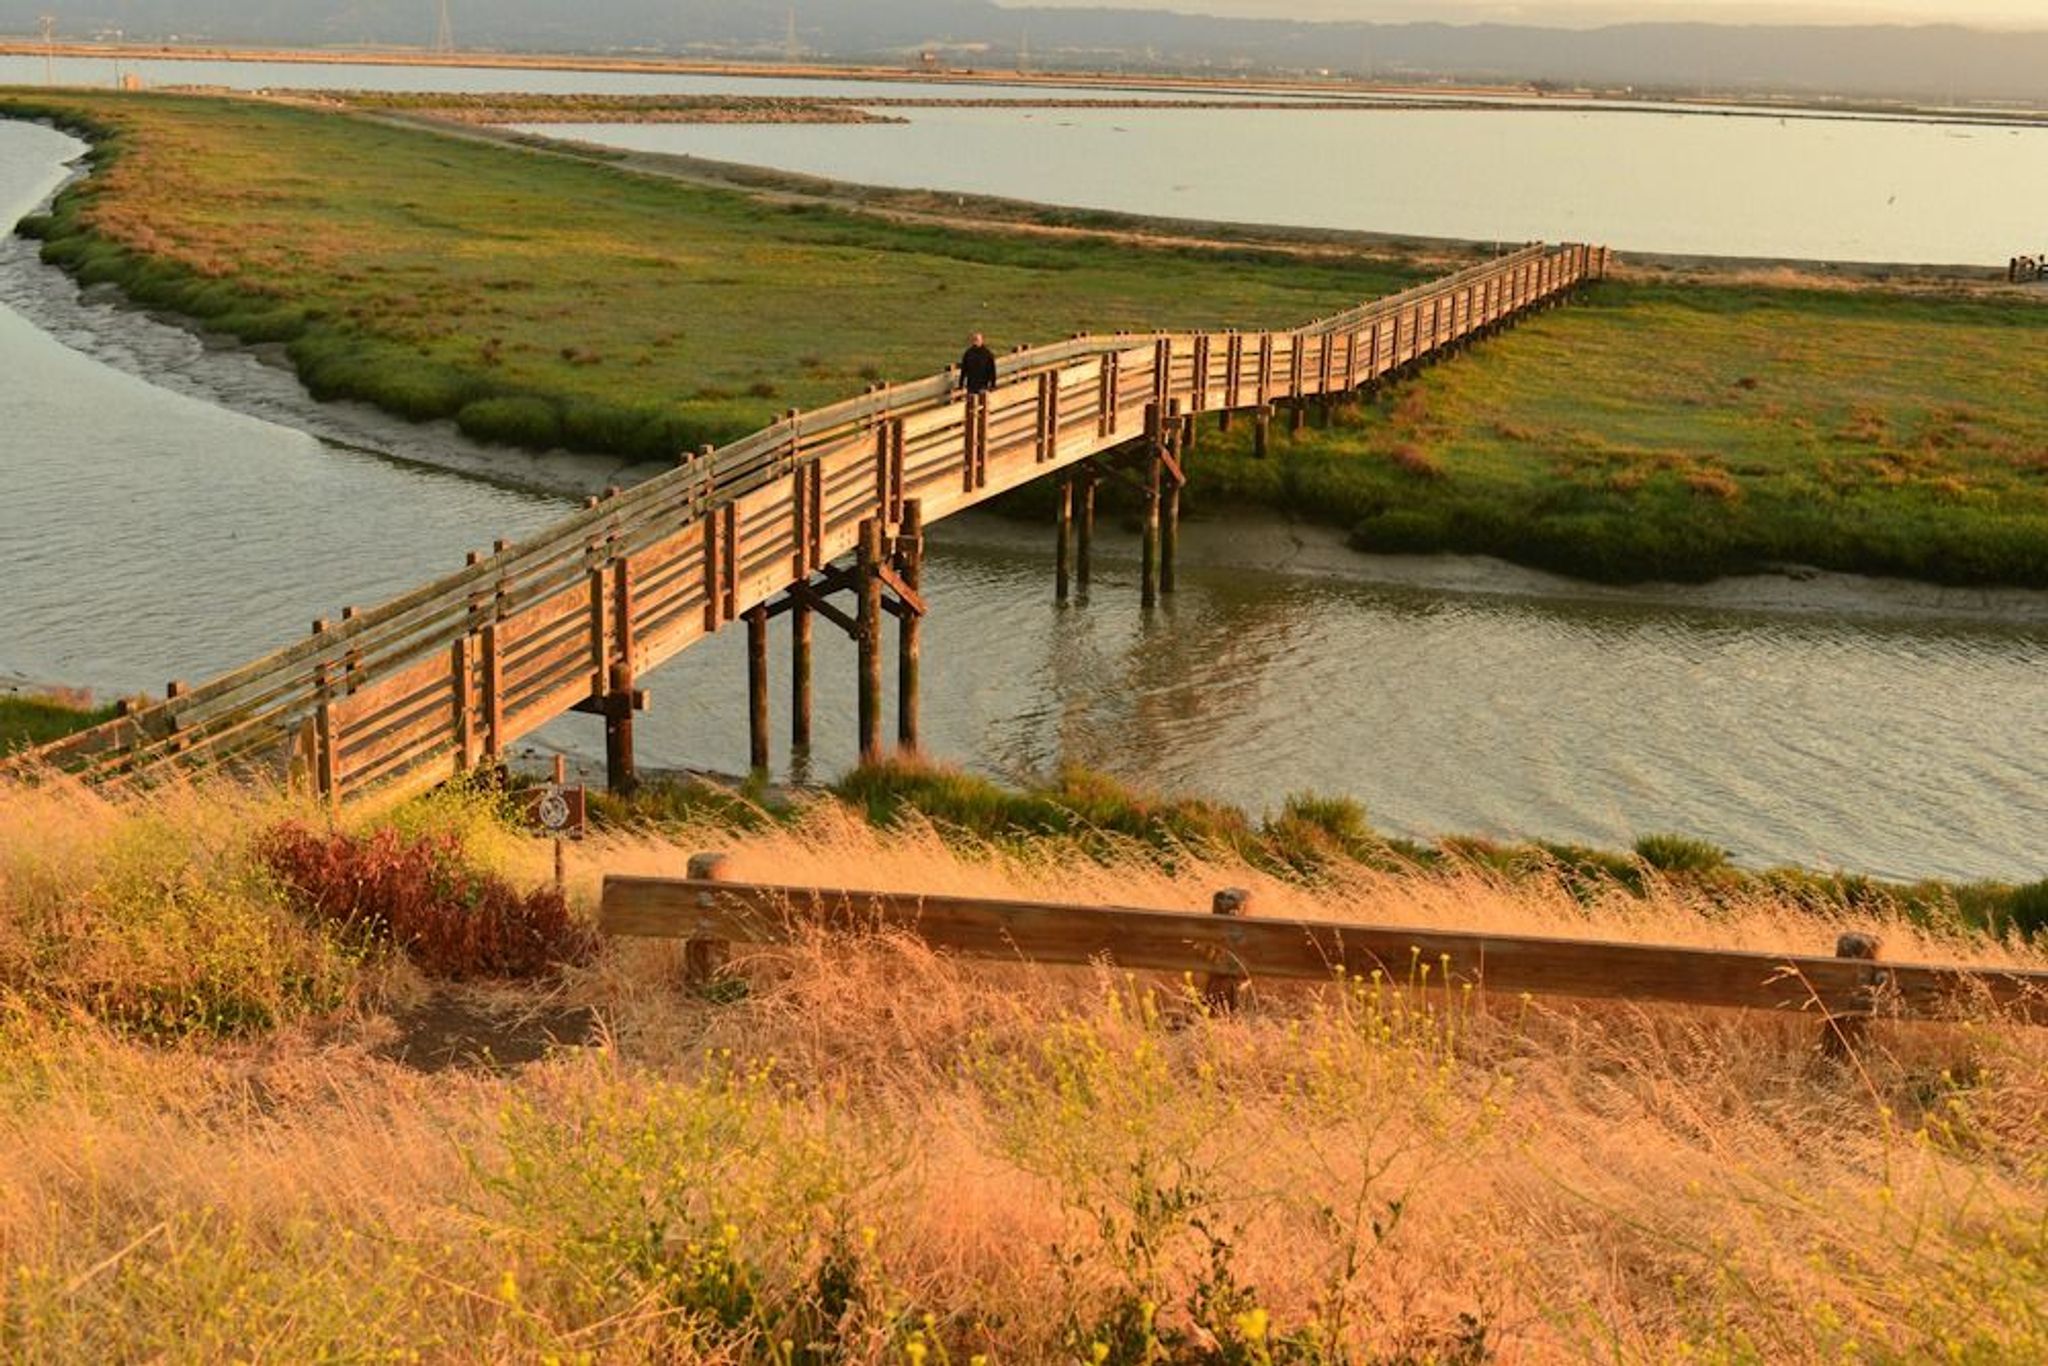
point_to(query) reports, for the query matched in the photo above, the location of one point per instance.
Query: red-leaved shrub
(421, 896)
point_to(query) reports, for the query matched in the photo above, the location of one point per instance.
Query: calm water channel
(1684, 183)
(1678, 179)
(146, 533)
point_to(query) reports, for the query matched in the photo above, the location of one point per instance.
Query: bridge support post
(909, 626)
(757, 691)
(800, 679)
(1062, 574)
(868, 639)
(1178, 430)
(1223, 420)
(1084, 547)
(1155, 449)
(1262, 431)
(1297, 416)
(621, 774)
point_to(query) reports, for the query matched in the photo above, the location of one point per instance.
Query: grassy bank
(543, 300)
(37, 719)
(1660, 431)
(1105, 819)
(1683, 433)
(859, 1152)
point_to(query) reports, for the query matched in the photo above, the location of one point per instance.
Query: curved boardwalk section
(444, 679)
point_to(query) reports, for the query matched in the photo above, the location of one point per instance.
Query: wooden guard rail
(445, 678)
(1853, 985)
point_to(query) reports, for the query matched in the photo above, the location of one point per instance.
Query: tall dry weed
(875, 1153)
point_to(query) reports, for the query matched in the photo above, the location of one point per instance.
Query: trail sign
(556, 809)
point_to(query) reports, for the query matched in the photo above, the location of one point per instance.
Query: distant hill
(1930, 62)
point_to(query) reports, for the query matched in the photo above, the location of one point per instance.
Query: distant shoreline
(1530, 94)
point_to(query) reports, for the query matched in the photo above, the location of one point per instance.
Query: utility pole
(444, 36)
(48, 24)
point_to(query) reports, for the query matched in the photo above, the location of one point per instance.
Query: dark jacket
(978, 370)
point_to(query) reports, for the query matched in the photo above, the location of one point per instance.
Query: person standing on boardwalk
(978, 367)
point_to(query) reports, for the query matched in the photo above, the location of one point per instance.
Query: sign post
(557, 809)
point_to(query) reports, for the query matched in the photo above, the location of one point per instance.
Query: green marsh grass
(542, 299)
(39, 718)
(1093, 814)
(1659, 432)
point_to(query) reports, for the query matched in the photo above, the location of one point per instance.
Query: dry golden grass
(879, 1155)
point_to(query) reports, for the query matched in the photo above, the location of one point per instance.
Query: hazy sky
(1998, 13)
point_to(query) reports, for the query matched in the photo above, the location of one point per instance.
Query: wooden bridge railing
(1230, 944)
(447, 677)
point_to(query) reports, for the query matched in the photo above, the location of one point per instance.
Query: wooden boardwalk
(443, 680)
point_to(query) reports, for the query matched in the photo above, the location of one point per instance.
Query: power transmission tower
(47, 23)
(791, 51)
(444, 36)
(1024, 52)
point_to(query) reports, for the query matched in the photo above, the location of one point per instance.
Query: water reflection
(1883, 745)
(146, 535)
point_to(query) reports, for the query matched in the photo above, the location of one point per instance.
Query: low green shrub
(1681, 854)
(2026, 910)
(532, 423)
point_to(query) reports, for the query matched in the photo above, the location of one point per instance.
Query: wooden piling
(868, 637)
(620, 772)
(705, 959)
(1169, 511)
(800, 678)
(757, 690)
(1262, 431)
(1155, 441)
(909, 626)
(1084, 547)
(1063, 553)
(1297, 416)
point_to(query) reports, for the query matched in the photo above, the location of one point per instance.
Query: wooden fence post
(1843, 1036)
(1219, 991)
(705, 959)
(326, 760)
